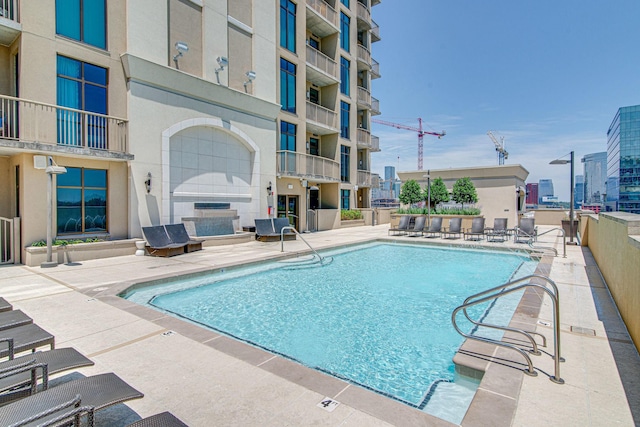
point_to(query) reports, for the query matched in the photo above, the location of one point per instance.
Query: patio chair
(178, 234)
(4, 305)
(497, 233)
(23, 338)
(403, 226)
(418, 226)
(163, 419)
(526, 232)
(454, 231)
(159, 243)
(279, 224)
(68, 401)
(18, 377)
(435, 228)
(268, 230)
(13, 318)
(477, 230)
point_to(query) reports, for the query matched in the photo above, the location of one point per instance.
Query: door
(288, 208)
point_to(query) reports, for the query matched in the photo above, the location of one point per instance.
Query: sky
(547, 75)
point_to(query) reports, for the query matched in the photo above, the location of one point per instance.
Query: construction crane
(502, 153)
(421, 134)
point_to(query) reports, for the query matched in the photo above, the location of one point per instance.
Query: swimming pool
(377, 316)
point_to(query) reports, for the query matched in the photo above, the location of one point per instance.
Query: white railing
(6, 241)
(364, 14)
(364, 96)
(324, 10)
(375, 106)
(30, 121)
(375, 143)
(364, 178)
(364, 55)
(322, 62)
(10, 9)
(364, 138)
(322, 115)
(375, 31)
(291, 163)
(375, 68)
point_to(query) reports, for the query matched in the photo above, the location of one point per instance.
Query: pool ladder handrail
(320, 257)
(564, 242)
(505, 289)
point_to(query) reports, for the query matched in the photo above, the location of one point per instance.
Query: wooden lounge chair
(69, 400)
(497, 233)
(526, 232)
(403, 226)
(4, 305)
(435, 228)
(454, 231)
(418, 226)
(19, 377)
(13, 318)
(178, 234)
(477, 230)
(163, 419)
(159, 243)
(23, 338)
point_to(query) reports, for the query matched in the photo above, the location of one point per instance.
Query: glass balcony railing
(290, 163)
(375, 143)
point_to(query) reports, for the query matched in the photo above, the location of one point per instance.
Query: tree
(410, 192)
(439, 193)
(464, 191)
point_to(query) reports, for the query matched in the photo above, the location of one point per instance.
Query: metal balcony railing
(375, 106)
(364, 15)
(375, 32)
(364, 178)
(291, 163)
(364, 138)
(364, 56)
(323, 9)
(31, 121)
(364, 97)
(375, 143)
(10, 9)
(322, 115)
(375, 69)
(322, 62)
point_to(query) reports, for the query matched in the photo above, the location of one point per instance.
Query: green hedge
(346, 215)
(445, 211)
(65, 242)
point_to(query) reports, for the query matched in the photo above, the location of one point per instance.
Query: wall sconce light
(269, 189)
(181, 47)
(251, 76)
(222, 62)
(147, 183)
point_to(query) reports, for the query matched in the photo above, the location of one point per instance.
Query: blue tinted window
(73, 177)
(345, 195)
(345, 154)
(81, 197)
(288, 25)
(68, 18)
(82, 20)
(344, 31)
(95, 178)
(287, 136)
(344, 75)
(344, 119)
(345, 2)
(288, 85)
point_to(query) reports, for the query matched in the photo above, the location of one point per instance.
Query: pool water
(378, 316)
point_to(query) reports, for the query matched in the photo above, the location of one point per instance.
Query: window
(344, 31)
(314, 43)
(287, 85)
(314, 96)
(81, 86)
(288, 25)
(345, 65)
(82, 20)
(344, 119)
(288, 144)
(345, 195)
(345, 2)
(345, 154)
(81, 201)
(314, 146)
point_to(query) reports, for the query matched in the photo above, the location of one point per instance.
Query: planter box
(34, 256)
(351, 223)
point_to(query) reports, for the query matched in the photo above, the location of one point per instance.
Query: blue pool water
(378, 316)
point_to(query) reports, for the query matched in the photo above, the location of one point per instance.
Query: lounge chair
(23, 338)
(18, 377)
(418, 226)
(159, 243)
(477, 230)
(163, 419)
(268, 230)
(13, 318)
(4, 305)
(526, 232)
(279, 224)
(499, 232)
(403, 225)
(435, 228)
(178, 234)
(68, 400)
(454, 231)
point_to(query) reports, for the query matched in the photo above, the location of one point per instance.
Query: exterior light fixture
(51, 169)
(251, 76)
(564, 162)
(181, 47)
(222, 62)
(147, 183)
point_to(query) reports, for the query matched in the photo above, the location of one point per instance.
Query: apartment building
(325, 142)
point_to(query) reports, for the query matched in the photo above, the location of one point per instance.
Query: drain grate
(583, 331)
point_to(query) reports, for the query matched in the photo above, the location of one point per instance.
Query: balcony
(321, 120)
(322, 19)
(364, 138)
(375, 144)
(375, 2)
(10, 27)
(28, 125)
(363, 58)
(364, 178)
(375, 69)
(307, 166)
(364, 16)
(375, 32)
(364, 98)
(375, 106)
(321, 70)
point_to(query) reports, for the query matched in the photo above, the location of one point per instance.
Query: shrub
(347, 214)
(65, 242)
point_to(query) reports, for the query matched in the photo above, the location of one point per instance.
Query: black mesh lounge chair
(268, 230)
(526, 232)
(454, 231)
(163, 419)
(497, 233)
(477, 230)
(90, 394)
(178, 234)
(18, 377)
(13, 318)
(4, 305)
(279, 224)
(159, 243)
(418, 226)
(23, 338)
(435, 228)
(403, 226)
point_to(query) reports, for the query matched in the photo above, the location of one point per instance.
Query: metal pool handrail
(506, 289)
(320, 257)
(564, 242)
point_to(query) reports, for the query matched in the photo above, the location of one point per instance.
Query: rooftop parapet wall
(614, 241)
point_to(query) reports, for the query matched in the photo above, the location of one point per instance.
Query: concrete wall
(614, 241)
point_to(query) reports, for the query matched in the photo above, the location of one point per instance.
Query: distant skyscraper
(578, 192)
(545, 189)
(532, 193)
(595, 178)
(389, 177)
(623, 159)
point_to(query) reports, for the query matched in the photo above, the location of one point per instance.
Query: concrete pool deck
(208, 379)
